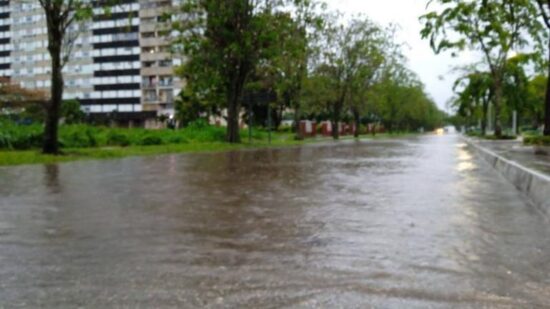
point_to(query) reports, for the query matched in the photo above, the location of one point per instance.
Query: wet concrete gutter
(532, 183)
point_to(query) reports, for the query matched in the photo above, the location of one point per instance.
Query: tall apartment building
(120, 61)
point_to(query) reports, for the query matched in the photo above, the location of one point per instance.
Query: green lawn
(20, 157)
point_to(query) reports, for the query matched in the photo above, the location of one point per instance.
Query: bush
(177, 139)
(21, 137)
(286, 129)
(530, 132)
(474, 133)
(27, 140)
(149, 140)
(503, 137)
(70, 111)
(115, 138)
(201, 131)
(78, 136)
(537, 140)
(17, 136)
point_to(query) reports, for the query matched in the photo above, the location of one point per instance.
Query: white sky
(433, 70)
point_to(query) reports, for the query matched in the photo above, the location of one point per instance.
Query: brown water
(405, 223)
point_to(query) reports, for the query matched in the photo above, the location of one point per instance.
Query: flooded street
(402, 223)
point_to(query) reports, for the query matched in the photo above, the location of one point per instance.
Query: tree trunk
(357, 118)
(233, 118)
(498, 101)
(547, 100)
(50, 143)
(484, 109)
(336, 120)
(298, 133)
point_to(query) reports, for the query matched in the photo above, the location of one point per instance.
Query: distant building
(120, 64)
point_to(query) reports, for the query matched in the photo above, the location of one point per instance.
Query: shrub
(200, 131)
(503, 137)
(115, 138)
(149, 140)
(177, 139)
(537, 140)
(70, 111)
(530, 133)
(78, 136)
(27, 140)
(14, 136)
(285, 129)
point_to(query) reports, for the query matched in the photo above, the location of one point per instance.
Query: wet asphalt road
(404, 223)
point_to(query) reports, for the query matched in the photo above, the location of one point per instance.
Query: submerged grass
(19, 157)
(139, 142)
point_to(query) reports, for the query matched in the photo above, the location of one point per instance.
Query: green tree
(349, 58)
(493, 27)
(223, 43)
(401, 103)
(71, 112)
(536, 100)
(370, 49)
(60, 16)
(286, 68)
(474, 95)
(544, 7)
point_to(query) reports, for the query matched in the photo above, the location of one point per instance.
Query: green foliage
(14, 136)
(537, 140)
(117, 138)
(224, 43)
(79, 136)
(494, 28)
(149, 140)
(535, 100)
(188, 108)
(201, 131)
(70, 111)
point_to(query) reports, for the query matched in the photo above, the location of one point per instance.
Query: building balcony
(156, 70)
(154, 11)
(155, 41)
(147, 26)
(154, 56)
(148, 85)
(168, 83)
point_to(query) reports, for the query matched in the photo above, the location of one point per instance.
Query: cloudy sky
(434, 70)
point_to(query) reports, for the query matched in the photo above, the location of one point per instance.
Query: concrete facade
(120, 62)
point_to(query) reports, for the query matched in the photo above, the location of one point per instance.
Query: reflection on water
(417, 222)
(51, 177)
(465, 160)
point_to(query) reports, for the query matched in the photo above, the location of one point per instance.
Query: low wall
(533, 183)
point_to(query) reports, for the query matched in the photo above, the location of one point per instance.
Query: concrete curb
(534, 184)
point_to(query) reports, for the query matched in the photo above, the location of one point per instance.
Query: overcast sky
(433, 70)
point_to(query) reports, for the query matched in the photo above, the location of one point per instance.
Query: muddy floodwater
(403, 223)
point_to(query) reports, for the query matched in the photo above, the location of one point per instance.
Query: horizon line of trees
(512, 37)
(274, 56)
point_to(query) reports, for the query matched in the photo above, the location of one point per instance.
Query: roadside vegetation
(291, 62)
(510, 80)
(258, 62)
(20, 144)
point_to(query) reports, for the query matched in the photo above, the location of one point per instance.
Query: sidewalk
(530, 173)
(516, 151)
